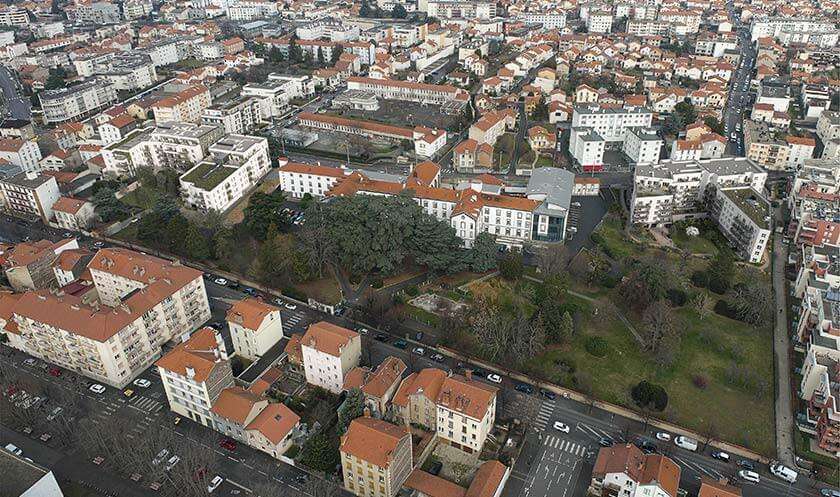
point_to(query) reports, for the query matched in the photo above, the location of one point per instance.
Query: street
(18, 106)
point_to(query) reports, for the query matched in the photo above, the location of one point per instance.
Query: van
(781, 471)
(686, 443)
(14, 450)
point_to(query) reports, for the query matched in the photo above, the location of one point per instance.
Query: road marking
(243, 487)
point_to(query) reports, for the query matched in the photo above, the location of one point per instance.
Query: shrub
(700, 279)
(677, 297)
(649, 395)
(610, 281)
(700, 381)
(295, 294)
(718, 284)
(726, 309)
(597, 346)
(354, 279)
(292, 452)
(377, 283)
(412, 291)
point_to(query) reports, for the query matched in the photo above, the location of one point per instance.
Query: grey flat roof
(553, 182)
(19, 475)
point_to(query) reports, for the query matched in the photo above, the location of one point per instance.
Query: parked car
(720, 455)
(220, 281)
(228, 444)
(400, 344)
(606, 442)
(160, 457)
(97, 388)
(746, 464)
(665, 437)
(829, 492)
(437, 357)
(524, 388)
(250, 291)
(493, 377)
(562, 427)
(645, 445)
(54, 371)
(381, 337)
(419, 351)
(363, 331)
(172, 462)
(142, 383)
(54, 413)
(214, 483)
(548, 394)
(14, 449)
(781, 471)
(29, 362)
(686, 443)
(418, 336)
(749, 476)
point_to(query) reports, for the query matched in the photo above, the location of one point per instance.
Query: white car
(14, 449)
(290, 307)
(419, 350)
(562, 427)
(494, 378)
(665, 437)
(160, 457)
(97, 388)
(220, 281)
(214, 483)
(750, 476)
(142, 383)
(172, 462)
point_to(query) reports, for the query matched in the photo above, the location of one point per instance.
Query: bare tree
(552, 260)
(659, 324)
(701, 303)
(318, 487)
(710, 432)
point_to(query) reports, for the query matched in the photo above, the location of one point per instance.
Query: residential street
(781, 351)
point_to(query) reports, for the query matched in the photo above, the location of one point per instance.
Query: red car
(11, 390)
(228, 444)
(54, 371)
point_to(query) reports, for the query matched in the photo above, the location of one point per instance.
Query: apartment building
(625, 470)
(648, 27)
(379, 385)
(244, 416)
(255, 326)
(28, 195)
(70, 265)
(29, 266)
(599, 22)
(73, 213)
(194, 374)
(641, 145)
(459, 9)
(596, 127)
(98, 13)
(185, 106)
(789, 29)
(415, 399)
(762, 146)
(820, 389)
(235, 164)
(329, 353)
(815, 190)
(298, 179)
(129, 72)
(492, 125)
(828, 129)
(376, 457)
(406, 90)
(548, 20)
(143, 303)
(466, 410)
(774, 91)
(273, 97)
(236, 115)
(23, 153)
(13, 16)
(75, 102)
(727, 190)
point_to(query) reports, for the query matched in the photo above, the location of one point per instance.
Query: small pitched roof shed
(327, 338)
(372, 440)
(249, 312)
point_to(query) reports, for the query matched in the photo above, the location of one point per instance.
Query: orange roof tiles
(181, 96)
(197, 353)
(299, 167)
(427, 382)
(373, 440)
(235, 404)
(69, 205)
(487, 479)
(328, 338)
(377, 383)
(712, 488)
(370, 126)
(249, 312)
(69, 258)
(466, 396)
(425, 173)
(275, 422)
(433, 486)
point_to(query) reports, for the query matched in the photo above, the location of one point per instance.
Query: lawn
(143, 198)
(325, 290)
(708, 348)
(612, 239)
(693, 244)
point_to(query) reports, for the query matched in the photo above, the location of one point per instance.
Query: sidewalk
(781, 351)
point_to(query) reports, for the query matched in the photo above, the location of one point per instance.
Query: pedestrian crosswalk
(544, 415)
(296, 320)
(145, 404)
(569, 446)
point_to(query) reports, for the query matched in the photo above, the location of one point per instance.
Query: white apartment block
(329, 352)
(466, 411)
(273, 97)
(29, 195)
(130, 72)
(676, 190)
(194, 374)
(327, 29)
(642, 146)
(611, 123)
(795, 30)
(828, 129)
(599, 22)
(298, 179)
(12, 16)
(548, 20)
(460, 9)
(73, 213)
(235, 165)
(587, 146)
(255, 327)
(144, 303)
(648, 27)
(77, 101)
(23, 153)
(236, 116)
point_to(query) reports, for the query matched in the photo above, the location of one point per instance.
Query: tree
(352, 408)
(295, 52)
(660, 324)
(435, 245)
(714, 124)
(511, 267)
(336, 54)
(559, 324)
(700, 303)
(646, 284)
(56, 78)
(107, 206)
(315, 241)
(753, 303)
(263, 210)
(276, 259)
(399, 12)
(649, 395)
(552, 260)
(320, 452)
(482, 255)
(196, 246)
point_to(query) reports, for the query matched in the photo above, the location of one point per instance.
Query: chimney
(367, 412)
(190, 372)
(468, 374)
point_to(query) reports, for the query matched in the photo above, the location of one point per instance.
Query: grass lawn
(613, 239)
(143, 198)
(421, 315)
(325, 290)
(693, 244)
(129, 233)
